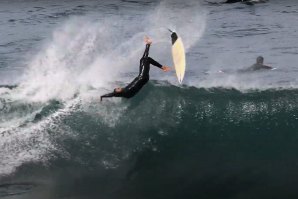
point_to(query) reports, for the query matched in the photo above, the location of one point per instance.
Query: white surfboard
(178, 54)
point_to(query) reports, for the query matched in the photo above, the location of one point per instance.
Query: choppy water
(220, 135)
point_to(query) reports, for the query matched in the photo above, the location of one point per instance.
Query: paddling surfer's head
(260, 60)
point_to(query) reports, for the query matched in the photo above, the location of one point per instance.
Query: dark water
(216, 136)
(169, 142)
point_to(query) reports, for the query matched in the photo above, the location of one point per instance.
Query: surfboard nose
(174, 37)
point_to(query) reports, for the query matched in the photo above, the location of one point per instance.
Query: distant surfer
(135, 86)
(249, 2)
(233, 1)
(259, 65)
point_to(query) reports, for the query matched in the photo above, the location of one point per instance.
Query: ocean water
(218, 135)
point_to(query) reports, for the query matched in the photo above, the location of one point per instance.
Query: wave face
(167, 142)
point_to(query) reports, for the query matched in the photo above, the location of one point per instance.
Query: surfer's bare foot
(147, 40)
(165, 68)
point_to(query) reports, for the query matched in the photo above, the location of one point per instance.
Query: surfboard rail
(178, 54)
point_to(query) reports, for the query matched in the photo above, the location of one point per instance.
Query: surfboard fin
(170, 30)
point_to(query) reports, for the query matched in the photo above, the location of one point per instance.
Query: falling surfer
(135, 86)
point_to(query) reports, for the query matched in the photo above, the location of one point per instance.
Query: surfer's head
(260, 60)
(118, 92)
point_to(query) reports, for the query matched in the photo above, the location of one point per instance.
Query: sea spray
(83, 52)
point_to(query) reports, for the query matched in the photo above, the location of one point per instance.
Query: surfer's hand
(165, 68)
(147, 40)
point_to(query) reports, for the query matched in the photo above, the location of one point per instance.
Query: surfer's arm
(153, 62)
(267, 67)
(107, 95)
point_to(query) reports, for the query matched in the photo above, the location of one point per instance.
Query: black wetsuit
(258, 66)
(255, 67)
(135, 86)
(233, 1)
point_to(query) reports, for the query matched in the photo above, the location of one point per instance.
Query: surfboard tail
(180, 79)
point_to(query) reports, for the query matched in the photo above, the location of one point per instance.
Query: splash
(84, 53)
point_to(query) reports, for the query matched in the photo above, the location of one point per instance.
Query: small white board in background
(178, 54)
(214, 72)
